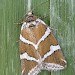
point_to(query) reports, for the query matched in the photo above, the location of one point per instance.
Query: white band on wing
(36, 22)
(47, 32)
(26, 41)
(52, 49)
(23, 26)
(26, 56)
(53, 66)
(39, 20)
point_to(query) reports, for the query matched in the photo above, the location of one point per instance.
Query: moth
(39, 49)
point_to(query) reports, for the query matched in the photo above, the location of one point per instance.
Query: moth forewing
(38, 47)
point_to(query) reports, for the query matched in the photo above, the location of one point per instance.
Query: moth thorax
(30, 17)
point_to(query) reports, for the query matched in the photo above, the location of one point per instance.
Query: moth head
(30, 17)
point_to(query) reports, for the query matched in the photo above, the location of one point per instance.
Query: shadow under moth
(39, 50)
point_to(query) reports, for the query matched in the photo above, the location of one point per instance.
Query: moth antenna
(32, 10)
(18, 23)
(53, 29)
(17, 40)
(44, 16)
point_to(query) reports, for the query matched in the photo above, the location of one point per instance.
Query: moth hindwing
(39, 50)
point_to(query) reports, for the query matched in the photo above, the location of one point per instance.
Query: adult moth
(39, 50)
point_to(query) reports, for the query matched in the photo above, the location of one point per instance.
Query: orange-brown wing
(28, 61)
(49, 49)
(53, 58)
(28, 55)
(29, 45)
(39, 49)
